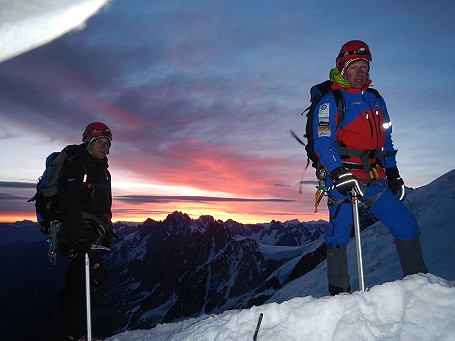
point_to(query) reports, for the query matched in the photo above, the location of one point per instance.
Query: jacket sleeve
(324, 133)
(389, 161)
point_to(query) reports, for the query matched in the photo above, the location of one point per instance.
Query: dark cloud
(199, 199)
(17, 185)
(14, 203)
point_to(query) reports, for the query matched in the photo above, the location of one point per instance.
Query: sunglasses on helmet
(361, 51)
(94, 131)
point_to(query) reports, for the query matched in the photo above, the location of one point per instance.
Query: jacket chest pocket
(96, 187)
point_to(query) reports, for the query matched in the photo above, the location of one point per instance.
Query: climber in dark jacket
(85, 201)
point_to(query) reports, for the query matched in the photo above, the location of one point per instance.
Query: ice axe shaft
(255, 337)
(87, 298)
(355, 212)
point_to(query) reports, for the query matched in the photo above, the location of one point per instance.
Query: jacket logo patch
(324, 120)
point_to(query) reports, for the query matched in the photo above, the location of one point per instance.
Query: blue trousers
(387, 208)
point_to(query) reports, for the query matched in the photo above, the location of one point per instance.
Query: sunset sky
(201, 95)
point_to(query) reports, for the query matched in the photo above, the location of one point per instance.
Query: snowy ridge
(420, 307)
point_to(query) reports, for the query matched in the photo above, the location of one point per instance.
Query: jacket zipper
(371, 125)
(377, 126)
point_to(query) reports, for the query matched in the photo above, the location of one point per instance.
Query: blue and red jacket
(365, 129)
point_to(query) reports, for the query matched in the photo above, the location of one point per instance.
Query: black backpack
(46, 197)
(316, 93)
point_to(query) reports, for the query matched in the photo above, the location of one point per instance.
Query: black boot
(411, 256)
(337, 270)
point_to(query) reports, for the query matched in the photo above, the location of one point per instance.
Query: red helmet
(96, 130)
(352, 50)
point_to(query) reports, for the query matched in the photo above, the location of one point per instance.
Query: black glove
(77, 249)
(81, 247)
(345, 182)
(396, 183)
(94, 228)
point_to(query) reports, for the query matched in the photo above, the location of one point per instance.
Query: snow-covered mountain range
(180, 268)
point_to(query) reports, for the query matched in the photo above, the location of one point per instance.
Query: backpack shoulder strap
(376, 93)
(73, 149)
(76, 153)
(341, 105)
